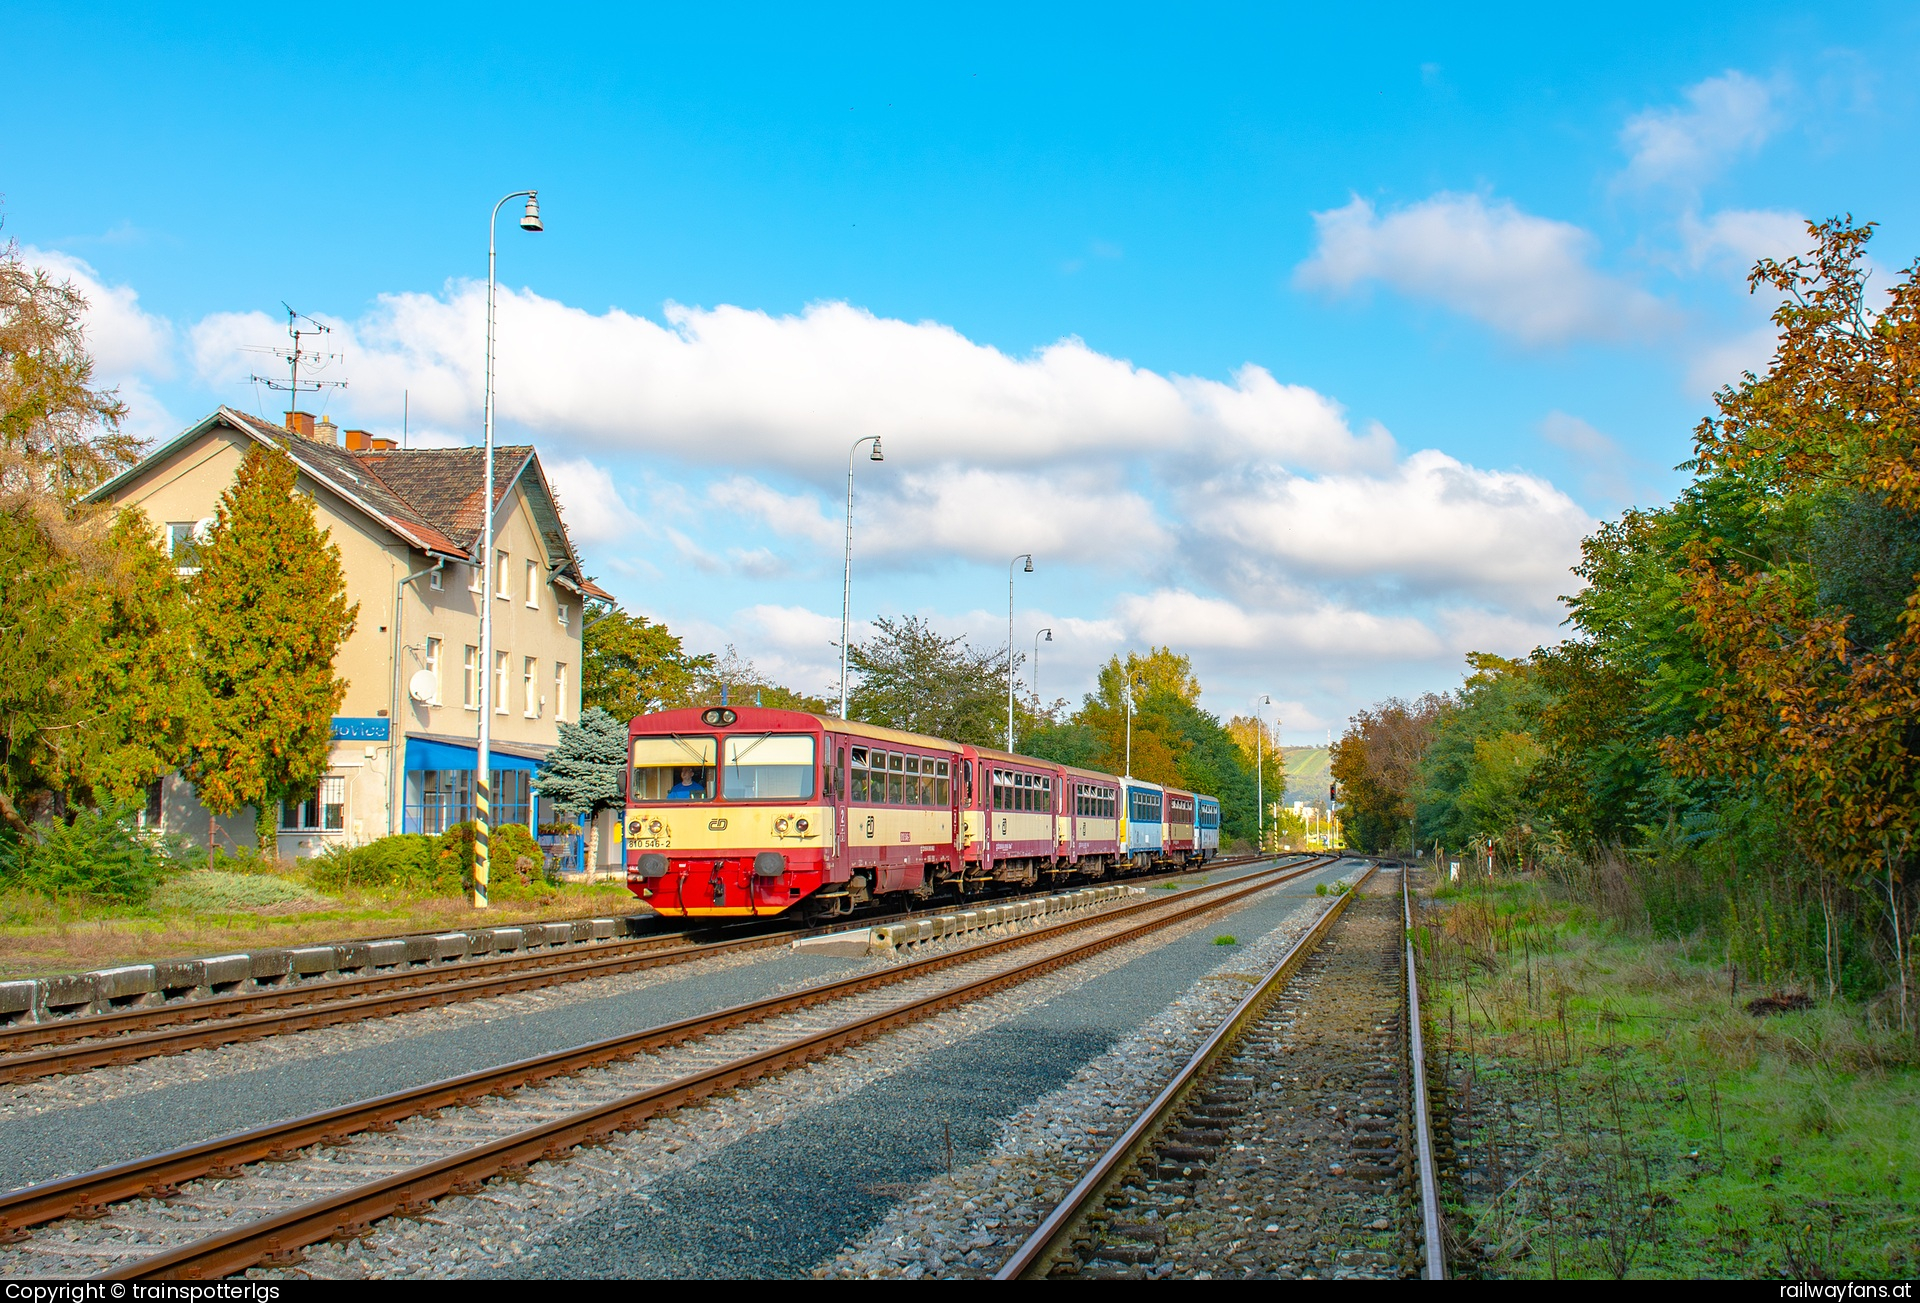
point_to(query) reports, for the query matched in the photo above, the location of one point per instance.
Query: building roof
(429, 498)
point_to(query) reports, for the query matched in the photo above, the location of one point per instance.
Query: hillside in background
(1307, 773)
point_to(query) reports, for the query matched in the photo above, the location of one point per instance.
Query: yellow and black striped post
(482, 824)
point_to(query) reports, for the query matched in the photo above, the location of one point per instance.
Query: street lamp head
(1049, 634)
(1029, 563)
(876, 455)
(530, 220)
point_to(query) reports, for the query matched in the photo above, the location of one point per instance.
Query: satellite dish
(421, 687)
(203, 530)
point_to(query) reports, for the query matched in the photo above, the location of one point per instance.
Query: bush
(213, 891)
(100, 854)
(438, 866)
(404, 862)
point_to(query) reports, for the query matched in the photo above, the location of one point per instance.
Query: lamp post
(1259, 774)
(1036, 666)
(846, 580)
(483, 759)
(1028, 558)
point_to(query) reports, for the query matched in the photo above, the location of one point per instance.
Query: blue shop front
(439, 783)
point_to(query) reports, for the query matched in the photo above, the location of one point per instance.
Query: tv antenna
(317, 359)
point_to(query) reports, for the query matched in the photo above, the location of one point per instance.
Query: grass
(1226, 940)
(1610, 1107)
(212, 911)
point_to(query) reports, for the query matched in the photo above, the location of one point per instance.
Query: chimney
(300, 423)
(325, 431)
(384, 445)
(358, 441)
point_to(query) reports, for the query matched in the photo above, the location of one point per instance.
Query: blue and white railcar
(1146, 815)
(1206, 827)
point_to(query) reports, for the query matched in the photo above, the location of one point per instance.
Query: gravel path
(73, 1246)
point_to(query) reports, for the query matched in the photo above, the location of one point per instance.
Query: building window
(470, 679)
(499, 683)
(439, 799)
(533, 585)
(324, 811)
(563, 614)
(474, 586)
(183, 546)
(559, 690)
(433, 666)
(436, 580)
(500, 575)
(530, 684)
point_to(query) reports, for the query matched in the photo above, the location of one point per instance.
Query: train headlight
(781, 825)
(801, 824)
(633, 829)
(654, 827)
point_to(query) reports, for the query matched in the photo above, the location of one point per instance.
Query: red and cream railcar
(1178, 842)
(1012, 827)
(1096, 838)
(747, 811)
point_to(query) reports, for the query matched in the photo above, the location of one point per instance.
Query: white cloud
(1433, 525)
(1320, 629)
(732, 385)
(131, 347)
(1724, 117)
(1076, 516)
(595, 512)
(1743, 237)
(1724, 362)
(1528, 277)
(796, 515)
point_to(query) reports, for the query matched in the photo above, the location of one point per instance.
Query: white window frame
(435, 653)
(500, 682)
(470, 678)
(191, 527)
(503, 576)
(559, 690)
(533, 585)
(563, 613)
(530, 681)
(474, 587)
(436, 580)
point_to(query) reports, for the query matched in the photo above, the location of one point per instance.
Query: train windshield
(768, 767)
(672, 769)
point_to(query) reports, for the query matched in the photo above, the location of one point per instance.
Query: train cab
(1145, 811)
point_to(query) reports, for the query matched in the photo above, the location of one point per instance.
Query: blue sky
(1307, 340)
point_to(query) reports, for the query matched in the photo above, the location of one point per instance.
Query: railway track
(105, 1040)
(1295, 1140)
(390, 1155)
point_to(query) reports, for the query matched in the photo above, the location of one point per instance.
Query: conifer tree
(587, 771)
(270, 614)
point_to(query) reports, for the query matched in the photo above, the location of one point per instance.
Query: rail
(1423, 1132)
(85, 1194)
(1053, 1239)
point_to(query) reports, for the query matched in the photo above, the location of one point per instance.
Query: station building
(408, 523)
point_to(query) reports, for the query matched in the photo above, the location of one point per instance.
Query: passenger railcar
(744, 811)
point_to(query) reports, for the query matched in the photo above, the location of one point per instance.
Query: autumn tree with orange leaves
(1811, 622)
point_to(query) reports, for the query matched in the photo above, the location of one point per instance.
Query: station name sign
(350, 728)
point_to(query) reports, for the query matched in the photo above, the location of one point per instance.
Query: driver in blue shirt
(686, 789)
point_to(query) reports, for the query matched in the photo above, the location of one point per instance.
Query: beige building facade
(408, 523)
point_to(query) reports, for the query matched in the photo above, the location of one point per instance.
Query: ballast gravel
(774, 1179)
(63, 1247)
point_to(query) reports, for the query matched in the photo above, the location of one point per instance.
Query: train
(749, 812)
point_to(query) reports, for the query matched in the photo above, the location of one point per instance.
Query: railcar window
(672, 769)
(942, 789)
(896, 774)
(859, 789)
(769, 766)
(840, 776)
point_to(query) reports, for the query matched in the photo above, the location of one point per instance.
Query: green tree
(912, 678)
(269, 616)
(58, 435)
(736, 680)
(48, 640)
(586, 772)
(1376, 766)
(632, 666)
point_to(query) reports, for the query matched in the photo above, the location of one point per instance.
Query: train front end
(726, 811)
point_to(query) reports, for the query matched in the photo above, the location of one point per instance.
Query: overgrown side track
(1287, 1146)
(105, 1040)
(161, 1175)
